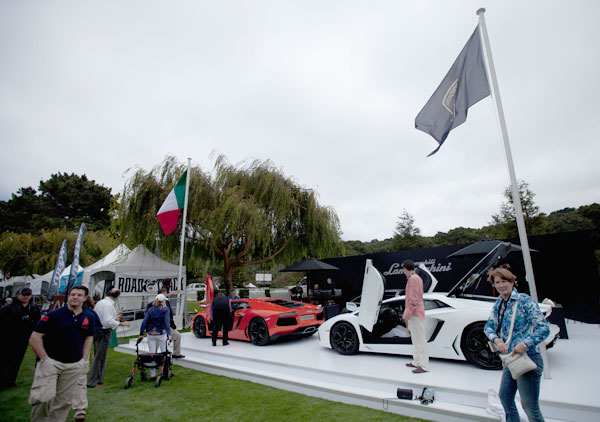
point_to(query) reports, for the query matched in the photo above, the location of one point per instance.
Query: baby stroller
(162, 360)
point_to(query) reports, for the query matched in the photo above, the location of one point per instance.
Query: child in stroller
(152, 361)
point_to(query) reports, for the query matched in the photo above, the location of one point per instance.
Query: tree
(244, 215)
(406, 234)
(70, 200)
(506, 218)
(65, 201)
(28, 253)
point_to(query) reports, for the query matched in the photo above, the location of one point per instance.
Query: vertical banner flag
(75, 262)
(465, 84)
(168, 214)
(61, 263)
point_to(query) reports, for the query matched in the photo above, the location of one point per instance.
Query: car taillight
(288, 314)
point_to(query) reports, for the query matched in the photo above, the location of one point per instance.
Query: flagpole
(182, 302)
(513, 178)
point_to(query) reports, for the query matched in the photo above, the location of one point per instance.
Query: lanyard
(500, 316)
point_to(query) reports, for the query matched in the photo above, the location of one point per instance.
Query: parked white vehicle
(453, 323)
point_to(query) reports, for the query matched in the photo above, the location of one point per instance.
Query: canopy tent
(140, 272)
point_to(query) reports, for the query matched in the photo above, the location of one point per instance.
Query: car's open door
(372, 295)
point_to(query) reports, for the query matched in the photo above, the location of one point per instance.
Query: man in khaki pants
(62, 340)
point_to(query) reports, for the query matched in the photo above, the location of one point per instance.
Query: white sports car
(453, 323)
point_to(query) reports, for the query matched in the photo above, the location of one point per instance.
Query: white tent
(140, 272)
(139, 275)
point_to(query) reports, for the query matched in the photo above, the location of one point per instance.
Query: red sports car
(263, 320)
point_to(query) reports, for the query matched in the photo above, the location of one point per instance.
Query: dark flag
(465, 84)
(75, 262)
(61, 262)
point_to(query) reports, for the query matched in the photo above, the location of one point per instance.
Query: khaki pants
(417, 335)
(80, 401)
(53, 387)
(176, 341)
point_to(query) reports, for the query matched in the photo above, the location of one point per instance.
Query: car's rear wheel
(258, 332)
(344, 339)
(199, 327)
(474, 345)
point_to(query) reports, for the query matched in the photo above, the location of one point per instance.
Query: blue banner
(75, 263)
(61, 262)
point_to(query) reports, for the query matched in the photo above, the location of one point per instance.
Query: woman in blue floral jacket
(530, 330)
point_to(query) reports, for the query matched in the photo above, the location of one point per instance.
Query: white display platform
(370, 380)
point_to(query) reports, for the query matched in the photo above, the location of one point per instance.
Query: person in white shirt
(110, 319)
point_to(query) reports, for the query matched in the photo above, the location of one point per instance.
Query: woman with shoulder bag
(516, 326)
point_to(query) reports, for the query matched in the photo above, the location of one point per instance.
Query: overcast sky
(328, 90)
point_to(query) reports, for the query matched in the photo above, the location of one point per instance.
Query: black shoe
(214, 344)
(178, 356)
(225, 344)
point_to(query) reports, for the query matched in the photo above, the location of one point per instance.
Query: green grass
(189, 396)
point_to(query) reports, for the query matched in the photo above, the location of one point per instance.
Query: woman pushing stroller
(156, 324)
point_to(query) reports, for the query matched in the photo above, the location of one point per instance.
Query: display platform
(371, 380)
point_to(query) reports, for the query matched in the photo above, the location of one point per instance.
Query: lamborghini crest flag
(465, 84)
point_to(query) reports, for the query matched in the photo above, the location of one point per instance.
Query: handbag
(517, 364)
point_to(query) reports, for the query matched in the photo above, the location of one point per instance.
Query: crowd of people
(62, 340)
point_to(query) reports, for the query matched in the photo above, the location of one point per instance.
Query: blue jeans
(529, 389)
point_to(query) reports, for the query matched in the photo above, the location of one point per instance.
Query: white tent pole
(181, 300)
(513, 178)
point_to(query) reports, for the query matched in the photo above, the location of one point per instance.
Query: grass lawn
(189, 396)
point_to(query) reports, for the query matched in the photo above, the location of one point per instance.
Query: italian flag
(168, 214)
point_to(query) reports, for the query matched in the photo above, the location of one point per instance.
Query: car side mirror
(351, 306)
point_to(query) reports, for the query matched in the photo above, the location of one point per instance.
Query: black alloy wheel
(258, 332)
(474, 345)
(199, 327)
(344, 339)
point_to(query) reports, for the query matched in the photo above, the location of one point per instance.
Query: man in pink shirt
(414, 314)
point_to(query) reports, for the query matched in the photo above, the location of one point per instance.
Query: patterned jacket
(530, 327)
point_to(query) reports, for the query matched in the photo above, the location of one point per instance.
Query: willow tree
(245, 214)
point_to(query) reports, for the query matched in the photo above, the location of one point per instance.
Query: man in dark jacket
(16, 321)
(219, 311)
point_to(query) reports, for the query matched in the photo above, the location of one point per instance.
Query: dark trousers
(11, 356)
(101, 343)
(220, 321)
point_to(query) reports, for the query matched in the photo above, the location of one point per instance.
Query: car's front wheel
(258, 332)
(199, 327)
(344, 339)
(474, 345)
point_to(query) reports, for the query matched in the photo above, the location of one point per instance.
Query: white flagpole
(513, 178)
(182, 298)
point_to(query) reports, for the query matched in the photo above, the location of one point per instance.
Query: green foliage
(407, 235)
(65, 201)
(245, 214)
(190, 396)
(506, 218)
(26, 253)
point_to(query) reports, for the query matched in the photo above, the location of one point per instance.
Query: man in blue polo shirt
(62, 340)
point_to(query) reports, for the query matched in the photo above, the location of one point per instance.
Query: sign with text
(132, 285)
